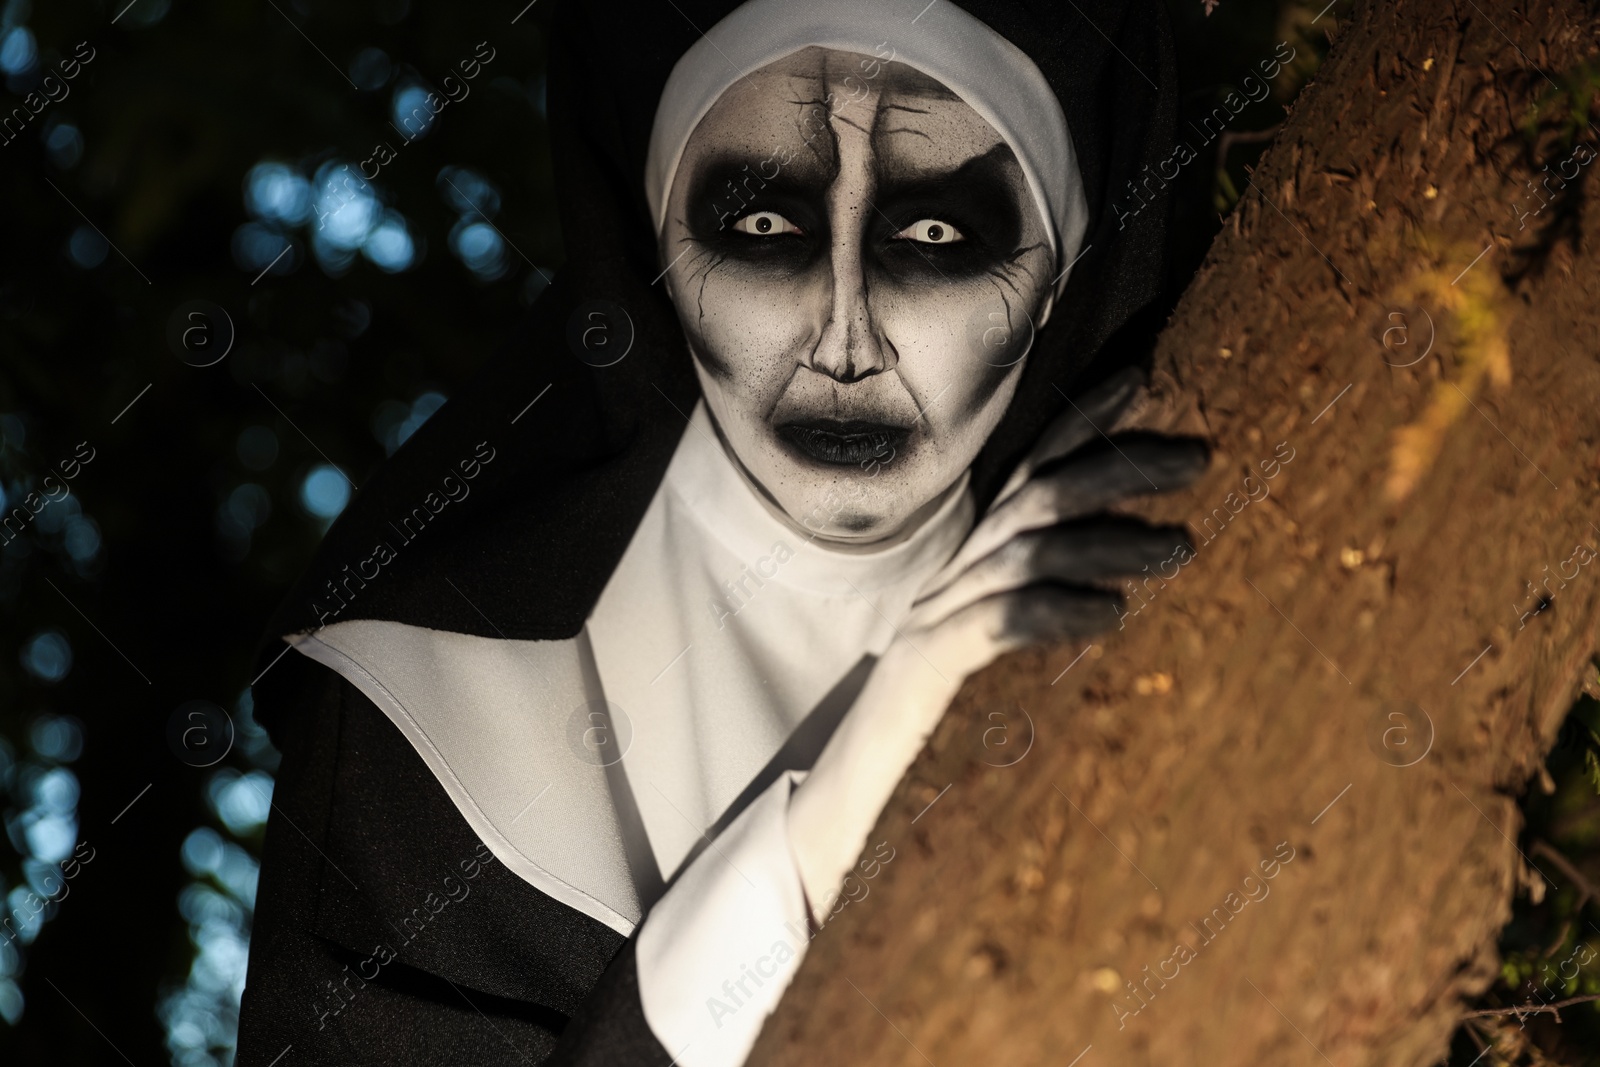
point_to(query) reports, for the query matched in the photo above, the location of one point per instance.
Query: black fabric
(610, 1028)
(501, 519)
(526, 554)
(385, 932)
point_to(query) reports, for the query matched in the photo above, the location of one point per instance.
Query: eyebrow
(749, 171)
(732, 181)
(986, 172)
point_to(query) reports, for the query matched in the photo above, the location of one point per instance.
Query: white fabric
(717, 952)
(709, 693)
(723, 627)
(992, 75)
(491, 719)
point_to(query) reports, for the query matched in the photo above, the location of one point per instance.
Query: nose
(851, 345)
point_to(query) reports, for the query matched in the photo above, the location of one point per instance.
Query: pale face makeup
(859, 266)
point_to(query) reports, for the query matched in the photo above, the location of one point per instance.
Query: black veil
(523, 549)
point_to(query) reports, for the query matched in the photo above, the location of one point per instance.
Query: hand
(1033, 567)
(1029, 572)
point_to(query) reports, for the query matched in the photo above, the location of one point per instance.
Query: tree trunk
(1299, 757)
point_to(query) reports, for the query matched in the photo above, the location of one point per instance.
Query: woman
(599, 687)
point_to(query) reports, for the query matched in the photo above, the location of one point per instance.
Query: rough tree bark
(1373, 609)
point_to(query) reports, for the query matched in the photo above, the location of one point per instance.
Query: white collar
(720, 497)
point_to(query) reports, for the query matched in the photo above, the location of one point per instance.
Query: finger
(1086, 418)
(1131, 465)
(1080, 554)
(974, 636)
(1048, 612)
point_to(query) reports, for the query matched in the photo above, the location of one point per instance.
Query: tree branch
(1554, 1009)
(1589, 889)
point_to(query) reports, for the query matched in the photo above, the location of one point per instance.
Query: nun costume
(591, 697)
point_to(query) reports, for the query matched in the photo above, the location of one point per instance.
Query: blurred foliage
(1570, 99)
(1216, 54)
(1550, 951)
(168, 155)
(225, 291)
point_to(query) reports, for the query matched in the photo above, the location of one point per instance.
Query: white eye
(765, 224)
(930, 232)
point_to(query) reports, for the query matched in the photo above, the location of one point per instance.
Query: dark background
(163, 213)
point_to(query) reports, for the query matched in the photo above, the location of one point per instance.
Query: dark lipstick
(842, 444)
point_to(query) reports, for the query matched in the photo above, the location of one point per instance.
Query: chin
(841, 503)
(854, 477)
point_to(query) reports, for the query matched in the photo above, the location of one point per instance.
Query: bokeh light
(63, 143)
(19, 52)
(389, 245)
(87, 248)
(411, 114)
(324, 492)
(370, 69)
(47, 656)
(480, 248)
(81, 539)
(345, 206)
(175, 176)
(49, 825)
(278, 192)
(57, 737)
(241, 801)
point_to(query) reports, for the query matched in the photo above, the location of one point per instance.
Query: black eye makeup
(925, 225)
(962, 222)
(756, 210)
